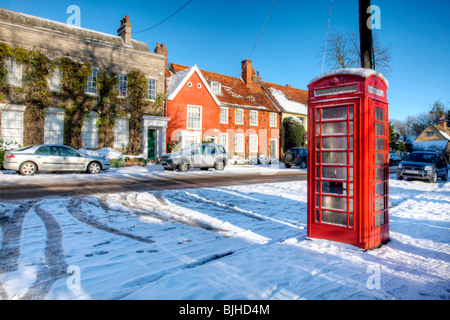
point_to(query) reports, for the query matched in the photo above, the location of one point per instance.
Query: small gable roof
(179, 79)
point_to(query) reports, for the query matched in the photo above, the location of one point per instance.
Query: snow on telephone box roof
(362, 72)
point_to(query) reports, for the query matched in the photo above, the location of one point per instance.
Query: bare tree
(343, 51)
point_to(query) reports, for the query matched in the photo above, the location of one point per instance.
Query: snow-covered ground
(241, 242)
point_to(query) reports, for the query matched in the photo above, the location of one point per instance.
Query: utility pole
(365, 35)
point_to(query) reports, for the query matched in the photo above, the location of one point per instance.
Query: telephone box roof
(362, 72)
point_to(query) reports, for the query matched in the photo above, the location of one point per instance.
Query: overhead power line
(326, 39)
(161, 22)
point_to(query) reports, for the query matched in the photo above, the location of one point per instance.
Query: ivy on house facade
(34, 93)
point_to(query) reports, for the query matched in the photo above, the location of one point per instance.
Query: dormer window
(215, 87)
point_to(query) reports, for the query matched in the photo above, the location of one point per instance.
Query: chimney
(125, 30)
(161, 49)
(247, 71)
(443, 122)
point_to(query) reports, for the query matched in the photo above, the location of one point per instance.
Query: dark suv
(424, 165)
(203, 156)
(295, 157)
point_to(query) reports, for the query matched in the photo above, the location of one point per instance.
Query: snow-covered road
(241, 242)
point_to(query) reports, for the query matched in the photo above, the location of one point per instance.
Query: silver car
(203, 156)
(29, 160)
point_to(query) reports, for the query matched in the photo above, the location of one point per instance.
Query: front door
(151, 139)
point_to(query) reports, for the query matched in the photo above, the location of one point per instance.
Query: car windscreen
(422, 157)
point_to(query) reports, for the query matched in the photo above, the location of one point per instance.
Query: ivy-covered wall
(36, 96)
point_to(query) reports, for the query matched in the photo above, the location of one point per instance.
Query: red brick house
(237, 112)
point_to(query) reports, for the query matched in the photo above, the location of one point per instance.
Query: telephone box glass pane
(337, 173)
(334, 113)
(339, 218)
(379, 114)
(379, 129)
(334, 187)
(336, 143)
(379, 159)
(334, 203)
(380, 144)
(380, 204)
(334, 157)
(380, 189)
(350, 112)
(350, 131)
(334, 128)
(380, 174)
(379, 219)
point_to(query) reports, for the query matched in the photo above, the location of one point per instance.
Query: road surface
(84, 184)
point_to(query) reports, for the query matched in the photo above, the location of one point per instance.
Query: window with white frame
(151, 89)
(90, 132)
(194, 117)
(223, 140)
(14, 69)
(12, 126)
(215, 87)
(239, 116)
(121, 133)
(91, 83)
(273, 119)
(253, 117)
(239, 143)
(253, 143)
(189, 139)
(223, 115)
(54, 128)
(54, 80)
(122, 86)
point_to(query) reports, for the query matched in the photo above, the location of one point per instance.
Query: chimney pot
(125, 30)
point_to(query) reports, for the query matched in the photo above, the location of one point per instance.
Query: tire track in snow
(55, 265)
(75, 208)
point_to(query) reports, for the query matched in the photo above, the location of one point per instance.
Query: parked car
(295, 157)
(29, 160)
(203, 156)
(423, 165)
(394, 160)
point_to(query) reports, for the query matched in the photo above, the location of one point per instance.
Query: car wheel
(28, 168)
(434, 177)
(445, 176)
(303, 164)
(399, 177)
(94, 167)
(289, 157)
(219, 166)
(183, 166)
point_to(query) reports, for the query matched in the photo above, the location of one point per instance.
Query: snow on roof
(175, 80)
(445, 134)
(433, 145)
(288, 105)
(362, 72)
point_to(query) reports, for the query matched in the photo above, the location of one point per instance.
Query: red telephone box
(348, 158)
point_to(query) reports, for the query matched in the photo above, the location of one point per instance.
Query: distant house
(292, 102)
(244, 114)
(434, 138)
